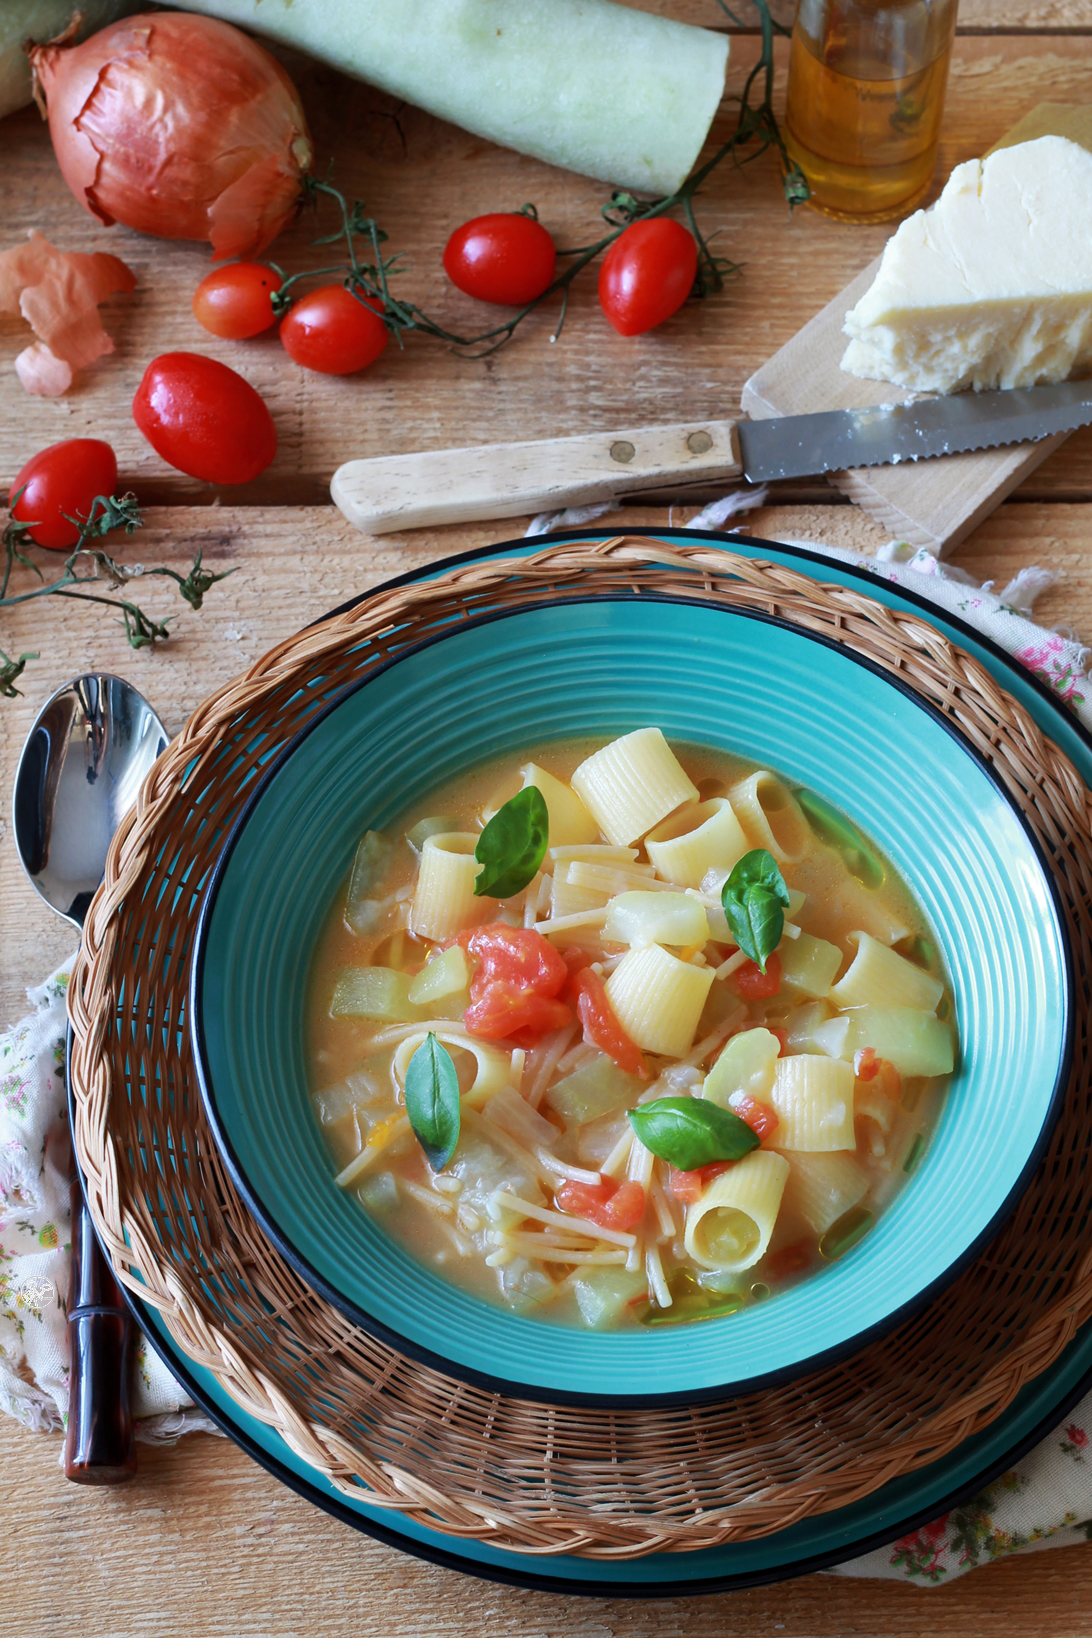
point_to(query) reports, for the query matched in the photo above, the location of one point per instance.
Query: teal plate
(775, 694)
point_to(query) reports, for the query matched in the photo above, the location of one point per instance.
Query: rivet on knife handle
(510, 480)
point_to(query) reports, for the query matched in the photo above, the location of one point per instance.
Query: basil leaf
(689, 1132)
(512, 845)
(755, 898)
(432, 1101)
(842, 835)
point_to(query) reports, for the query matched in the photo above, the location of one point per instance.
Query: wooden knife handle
(510, 480)
(99, 1446)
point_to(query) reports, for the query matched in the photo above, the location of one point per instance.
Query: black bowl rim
(533, 1392)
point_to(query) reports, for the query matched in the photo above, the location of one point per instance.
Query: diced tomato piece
(576, 959)
(759, 1116)
(514, 990)
(782, 1037)
(792, 1259)
(505, 1010)
(606, 1203)
(754, 984)
(601, 1026)
(867, 1066)
(690, 1186)
(517, 954)
(625, 1208)
(865, 1063)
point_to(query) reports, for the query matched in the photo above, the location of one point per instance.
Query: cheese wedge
(992, 286)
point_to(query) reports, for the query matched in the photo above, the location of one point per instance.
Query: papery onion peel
(179, 126)
(58, 292)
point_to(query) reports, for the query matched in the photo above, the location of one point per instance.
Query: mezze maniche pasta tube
(598, 88)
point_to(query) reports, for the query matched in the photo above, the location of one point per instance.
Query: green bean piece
(913, 1155)
(843, 1235)
(840, 833)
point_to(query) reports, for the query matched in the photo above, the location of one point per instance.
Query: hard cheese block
(934, 503)
(991, 287)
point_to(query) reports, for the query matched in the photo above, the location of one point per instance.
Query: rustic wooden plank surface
(205, 1543)
(694, 365)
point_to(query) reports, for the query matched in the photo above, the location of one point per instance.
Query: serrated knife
(509, 480)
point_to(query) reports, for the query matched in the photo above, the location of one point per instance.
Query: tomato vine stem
(105, 514)
(369, 279)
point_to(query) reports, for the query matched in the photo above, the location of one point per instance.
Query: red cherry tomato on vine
(234, 302)
(65, 478)
(204, 419)
(647, 274)
(331, 331)
(504, 258)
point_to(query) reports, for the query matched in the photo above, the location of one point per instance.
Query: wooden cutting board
(933, 503)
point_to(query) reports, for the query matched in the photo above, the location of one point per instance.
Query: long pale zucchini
(595, 87)
(38, 20)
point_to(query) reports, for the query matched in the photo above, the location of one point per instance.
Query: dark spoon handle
(99, 1447)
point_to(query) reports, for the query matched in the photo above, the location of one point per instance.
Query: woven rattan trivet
(534, 1478)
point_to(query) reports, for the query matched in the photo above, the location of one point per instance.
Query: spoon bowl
(91, 745)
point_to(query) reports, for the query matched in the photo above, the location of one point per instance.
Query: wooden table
(205, 1542)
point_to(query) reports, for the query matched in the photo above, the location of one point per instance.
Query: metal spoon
(81, 768)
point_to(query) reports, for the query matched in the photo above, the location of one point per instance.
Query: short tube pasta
(823, 1187)
(771, 816)
(881, 977)
(443, 900)
(813, 1100)
(698, 838)
(729, 1228)
(631, 784)
(570, 821)
(658, 999)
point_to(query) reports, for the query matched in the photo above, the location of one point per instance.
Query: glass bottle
(866, 94)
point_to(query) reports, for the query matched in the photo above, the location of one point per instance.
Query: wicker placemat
(535, 1478)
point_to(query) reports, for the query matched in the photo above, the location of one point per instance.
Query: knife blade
(797, 446)
(510, 480)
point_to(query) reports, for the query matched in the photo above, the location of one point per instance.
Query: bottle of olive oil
(866, 94)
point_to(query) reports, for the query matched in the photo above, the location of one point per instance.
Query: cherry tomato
(601, 1026)
(204, 419)
(513, 993)
(63, 479)
(331, 331)
(233, 301)
(647, 274)
(609, 1204)
(756, 985)
(504, 258)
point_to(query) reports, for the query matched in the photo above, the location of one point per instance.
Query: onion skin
(178, 126)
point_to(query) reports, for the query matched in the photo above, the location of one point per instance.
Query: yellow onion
(178, 126)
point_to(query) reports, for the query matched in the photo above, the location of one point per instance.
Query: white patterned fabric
(34, 1239)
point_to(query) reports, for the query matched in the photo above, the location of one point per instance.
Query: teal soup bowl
(761, 688)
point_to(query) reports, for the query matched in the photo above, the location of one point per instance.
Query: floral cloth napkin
(34, 1239)
(1044, 1501)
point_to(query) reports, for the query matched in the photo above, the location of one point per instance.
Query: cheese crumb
(992, 286)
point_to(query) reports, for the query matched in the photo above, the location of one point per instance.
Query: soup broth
(618, 982)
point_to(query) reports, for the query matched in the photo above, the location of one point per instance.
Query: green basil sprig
(432, 1101)
(755, 899)
(512, 845)
(689, 1132)
(833, 827)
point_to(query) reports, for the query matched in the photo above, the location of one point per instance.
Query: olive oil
(865, 99)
